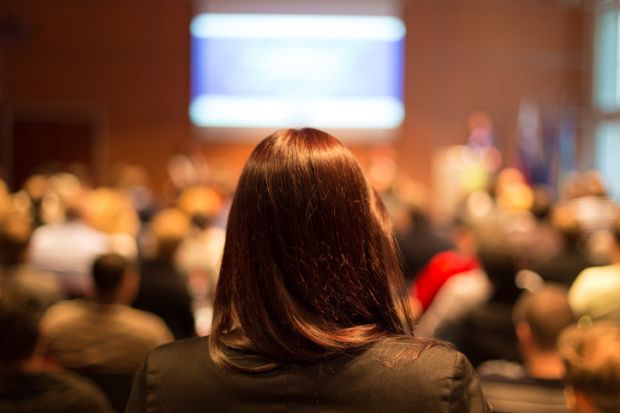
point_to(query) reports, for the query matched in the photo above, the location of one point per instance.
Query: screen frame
(241, 134)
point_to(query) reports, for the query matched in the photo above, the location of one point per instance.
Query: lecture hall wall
(128, 63)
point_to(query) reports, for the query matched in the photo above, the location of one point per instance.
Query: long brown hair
(310, 267)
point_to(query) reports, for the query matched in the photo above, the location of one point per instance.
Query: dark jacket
(512, 390)
(49, 391)
(181, 377)
(164, 292)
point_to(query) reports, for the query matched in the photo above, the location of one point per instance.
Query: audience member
(418, 241)
(26, 384)
(133, 180)
(596, 291)
(112, 212)
(35, 189)
(104, 334)
(592, 359)
(487, 331)
(163, 289)
(68, 249)
(523, 215)
(443, 266)
(200, 252)
(562, 268)
(459, 295)
(311, 299)
(534, 386)
(38, 290)
(595, 212)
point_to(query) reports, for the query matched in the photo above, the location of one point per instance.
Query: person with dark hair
(445, 265)
(163, 288)
(564, 266)
(104, 335)
(418, 240)
(311, 311)
(487, 331)
(534, 386)
(26, 385)
(591, 358)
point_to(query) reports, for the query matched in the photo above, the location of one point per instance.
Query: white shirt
(596, 291)
(68, 249)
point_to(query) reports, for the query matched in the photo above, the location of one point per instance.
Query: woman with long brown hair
(310, 312)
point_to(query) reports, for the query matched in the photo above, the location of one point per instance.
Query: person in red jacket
(443, 266)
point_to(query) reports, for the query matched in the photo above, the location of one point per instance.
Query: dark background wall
(123, 66)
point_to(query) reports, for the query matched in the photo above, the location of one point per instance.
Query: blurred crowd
(475, 276)
(514, 270)
(53, 228)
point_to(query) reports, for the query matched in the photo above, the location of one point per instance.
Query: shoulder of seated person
(403, 357)
(66, 307)
(183, 345)
(409, 353)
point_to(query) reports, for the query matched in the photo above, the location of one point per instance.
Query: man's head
(19, 333)
(540, 318)
(114, 278)
(592, 359)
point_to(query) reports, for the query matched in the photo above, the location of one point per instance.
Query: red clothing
(439, 269)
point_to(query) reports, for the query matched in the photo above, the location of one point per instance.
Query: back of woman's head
(309, 267)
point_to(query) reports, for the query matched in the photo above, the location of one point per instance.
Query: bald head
(546, 312)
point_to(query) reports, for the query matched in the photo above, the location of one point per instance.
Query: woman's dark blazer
(180, 377)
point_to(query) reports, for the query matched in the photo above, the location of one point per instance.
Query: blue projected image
(293, 70)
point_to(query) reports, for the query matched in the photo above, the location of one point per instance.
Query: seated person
(417, 238)
(564, 266)
(104, 335)
(535, 386)
(486, 331)
(311, 310)
(36, 289)
(163, 288)
(26, 384)
(68, 248)
(592, 360)
(443, 266)
(595, 294)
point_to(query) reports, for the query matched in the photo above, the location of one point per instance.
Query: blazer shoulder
(180, 355)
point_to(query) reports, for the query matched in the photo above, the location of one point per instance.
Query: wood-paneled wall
(129, 59)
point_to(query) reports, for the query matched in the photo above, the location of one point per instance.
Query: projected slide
(270, 70)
